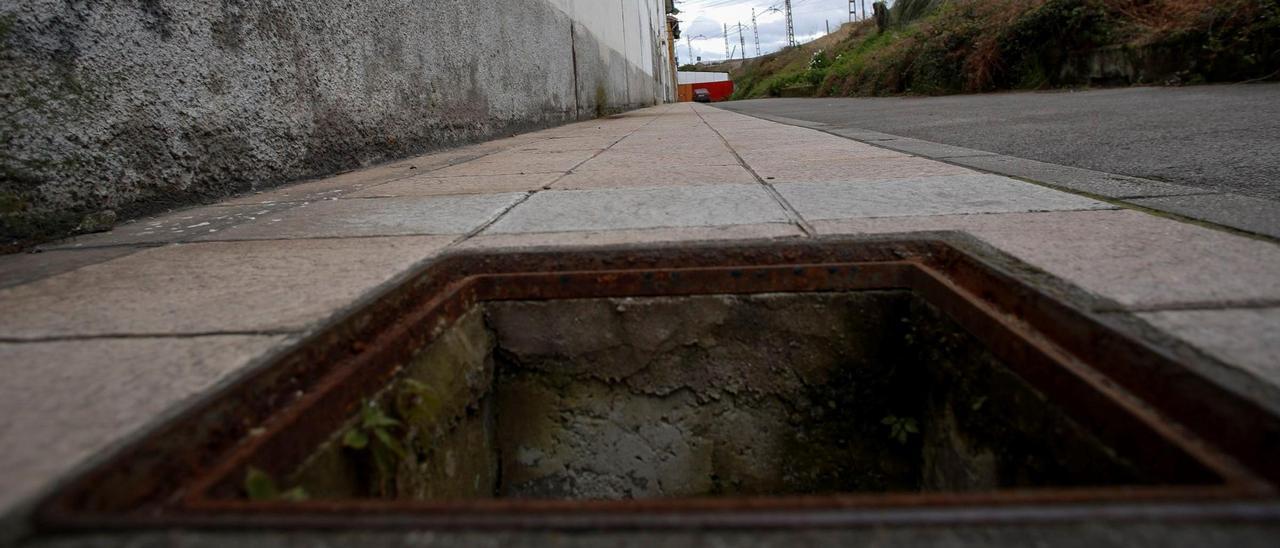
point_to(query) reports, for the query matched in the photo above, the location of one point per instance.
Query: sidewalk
(106, 334)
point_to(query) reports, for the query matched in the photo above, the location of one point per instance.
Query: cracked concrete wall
(139, 105)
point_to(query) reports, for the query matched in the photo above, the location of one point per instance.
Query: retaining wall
(137, 105)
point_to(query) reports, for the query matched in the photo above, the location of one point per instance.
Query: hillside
(964, 46)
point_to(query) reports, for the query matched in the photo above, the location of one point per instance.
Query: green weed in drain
(901, 428)
(260, 486)
(373, 434)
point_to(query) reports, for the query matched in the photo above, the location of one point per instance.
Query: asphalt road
(1224, 139)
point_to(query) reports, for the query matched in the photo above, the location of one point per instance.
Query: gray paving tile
(1245, 338)
(457, 214)
(1136, 259)
(956, 194)
(67, 401)
(612, 209)
(179, 226)
(715, 155)
(210, 287)
(511, 163)
(428, 185)
(352, 181)
(20, 268)
(1242, 212)
(649, 177)
(1083, 180)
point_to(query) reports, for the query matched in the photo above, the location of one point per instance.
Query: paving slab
(196, 288)
(330, 187)
(21, 268)
(1245, 213)
(651, 177)
(611, 209)
(617, 237)
(353, 217)
(785, 170)
(65, 402)
(1083, 180)
(430, 185)
(1247, 338)
(566, 144)
(947, 195)
(511, 163)
(709, 155)
(179, 226)
(1138, 260)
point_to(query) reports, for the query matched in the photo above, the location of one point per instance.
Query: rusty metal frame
(1128, 391)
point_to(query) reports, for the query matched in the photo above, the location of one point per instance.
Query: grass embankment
(964, 46)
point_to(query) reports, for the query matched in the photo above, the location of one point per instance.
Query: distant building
(718, 84)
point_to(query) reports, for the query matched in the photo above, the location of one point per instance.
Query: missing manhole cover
(751, 384)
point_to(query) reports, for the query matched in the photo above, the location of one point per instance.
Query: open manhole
(804, 383)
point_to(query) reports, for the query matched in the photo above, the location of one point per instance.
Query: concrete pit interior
(705, 396)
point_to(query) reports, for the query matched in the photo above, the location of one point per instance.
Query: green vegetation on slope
(956, 46)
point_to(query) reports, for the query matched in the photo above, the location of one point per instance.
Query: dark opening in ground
(773, 394)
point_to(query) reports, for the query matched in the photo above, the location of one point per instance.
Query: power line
(756, 30)
(791, 26)
(727, 54)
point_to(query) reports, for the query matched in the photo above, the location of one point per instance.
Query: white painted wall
(635, 29)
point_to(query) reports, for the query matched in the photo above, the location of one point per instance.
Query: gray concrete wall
(138, 105)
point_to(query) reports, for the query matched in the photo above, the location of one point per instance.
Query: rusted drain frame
(183, 474)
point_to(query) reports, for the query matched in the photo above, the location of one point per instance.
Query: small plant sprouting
(901, 428)
(374, 425)
(373, 434)
(260, 486)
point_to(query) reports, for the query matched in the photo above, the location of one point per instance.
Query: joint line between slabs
(494, 220)
(791, 211)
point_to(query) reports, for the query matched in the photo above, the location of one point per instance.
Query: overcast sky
(707, 17)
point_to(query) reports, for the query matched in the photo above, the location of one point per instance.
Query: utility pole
(791, 26)
(742, 40)
(688, 40)
(828, 26)
(727, 54)
(864, 9)
(755, 29)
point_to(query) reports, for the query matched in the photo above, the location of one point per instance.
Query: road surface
(1221, 138)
